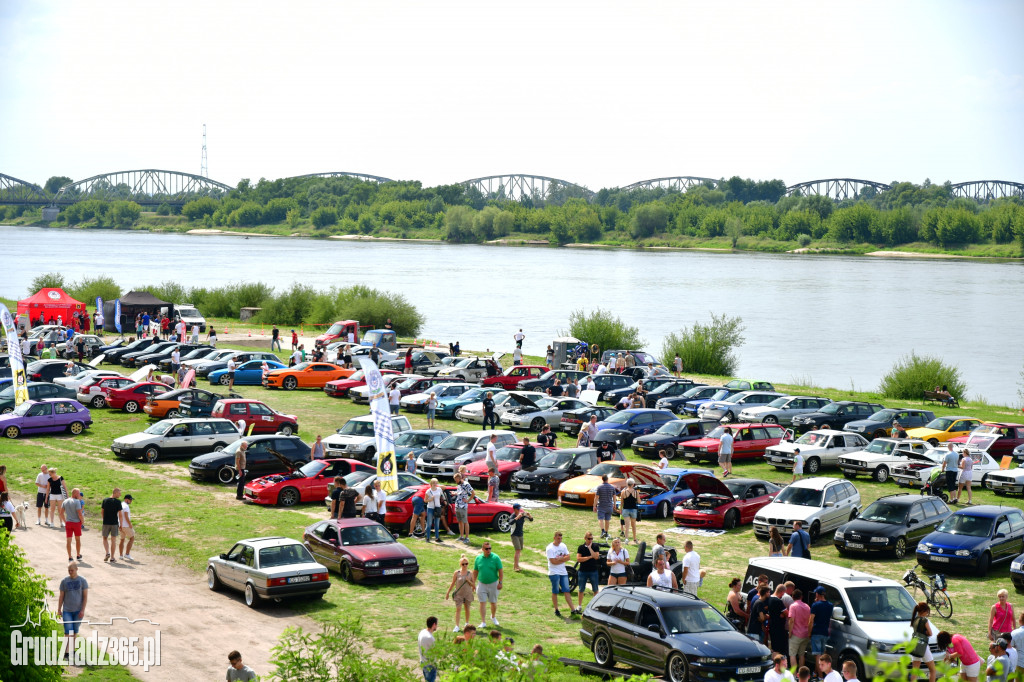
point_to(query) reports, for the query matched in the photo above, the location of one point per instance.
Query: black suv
(267, 454)
(891, 524)
(835, 415)
(552, 470)
(669, 633)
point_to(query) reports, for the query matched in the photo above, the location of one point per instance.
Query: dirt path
(197, 627)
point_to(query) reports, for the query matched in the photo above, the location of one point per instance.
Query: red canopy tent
(49, 303)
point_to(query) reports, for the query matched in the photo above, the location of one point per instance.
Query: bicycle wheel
(942, 603)
(919, 591)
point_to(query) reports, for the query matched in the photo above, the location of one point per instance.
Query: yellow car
(579, 491)
(941, 429)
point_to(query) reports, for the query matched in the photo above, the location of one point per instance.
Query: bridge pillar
(50, 213)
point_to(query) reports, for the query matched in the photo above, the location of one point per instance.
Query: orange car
(579, 491)
(306, 375)
(167, 405)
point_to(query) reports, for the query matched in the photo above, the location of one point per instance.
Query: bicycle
(934, 593)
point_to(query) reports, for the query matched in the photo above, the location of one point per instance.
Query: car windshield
(284, 555)
(544, 403)
(356, 376)
(473, 393)
(882, 416)
(695, 391)
(410, 439)
(779, 402)
(892, 604)
(831, 408)
(358, 477)
(880, 447)
(188, 312)
(507, 454)
(366, 535)
(313, 468)
(673, 428)
(335, 329)
(694, 619)
(607, 468)
(619, 418)
(804, 497)
(556, 460)
(233, 447)
(735, 397)
(885, 512)
(939, 424)
(22, 410)
(301, 366)
(159, 429)
(465, 362)
(965, 524)
(670, 480)
(719, 395)
(811, 438)
(408, 383)
(357, 428)
(716, 433)
(457, 443)
(503, 398)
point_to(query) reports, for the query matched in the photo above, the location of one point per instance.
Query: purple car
(50, 414)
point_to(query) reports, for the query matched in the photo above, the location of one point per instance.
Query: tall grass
(706, 348)
(912, 375)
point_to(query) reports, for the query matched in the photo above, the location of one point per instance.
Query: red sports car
(723, 504)
(510, 378)
(255, 415)
(132, 398)
(360, 549)
(497, 515)
(508, 464)
(339, 388)
(308, 483)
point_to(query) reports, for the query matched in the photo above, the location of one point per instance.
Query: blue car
(659, 503)
(625, 425)
(446, 407)
(973, 539)
(690, 407)
(677, 402)
(246, 374)
(1017, 572)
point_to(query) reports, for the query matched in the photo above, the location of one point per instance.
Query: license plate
(519, 486)
(570, 496)
(394, 571)
(300, 579)
(749, 670)
(855, 545)
(939, 559)
(776, 459)
(478, 479)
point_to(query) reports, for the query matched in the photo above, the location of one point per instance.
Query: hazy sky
(598, 93)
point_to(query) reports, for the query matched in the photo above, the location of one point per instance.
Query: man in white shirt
(691, 569)
(351, 337)
(798, 464)
(394, 398)
(590, 385)
(491, 457)
(127, 530)
(232, 366)
(825, 668)
(725, 452)
(424, 643)
(42, 492)
(558, 554)
(778, 672)
(517, 356)
(519, 338)
(601, 369)
(591, 428)
(195, 333)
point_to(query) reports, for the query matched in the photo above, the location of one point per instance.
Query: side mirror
(998, 536)
(394, 535)
(830, 504)
(837, 613)
(223, 556)
(655, 628)
(912, 522)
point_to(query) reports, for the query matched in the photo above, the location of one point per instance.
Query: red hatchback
(510, 378)
(497, 515)
(339, 388)
(255, 415)
(749, 442)
(132, 398)
(508, 464)
(308, 483)
(996, 438)
(723, 504)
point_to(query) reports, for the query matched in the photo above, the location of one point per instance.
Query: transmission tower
(204, 171)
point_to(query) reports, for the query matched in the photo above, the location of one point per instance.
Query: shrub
(371, 306)
(335, 654)
(198, 208)
(458, 225)
(24, 591)
(648, 220)
(707, 348)
(602, 328)
(163, 209)
(124, 213)
(912, 375)
(323, 217)
(803, 240)
(47, 280)
(88, 289)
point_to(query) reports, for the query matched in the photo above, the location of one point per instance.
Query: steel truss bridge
(147, 187)
(20, 192)
(986, 190)
(838, 189)
(680, 183)
(518, 187)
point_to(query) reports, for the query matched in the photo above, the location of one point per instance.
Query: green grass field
(189, 522)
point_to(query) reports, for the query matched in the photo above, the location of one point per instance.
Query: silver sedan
(268, 568)
(782, 410)
(546, 411)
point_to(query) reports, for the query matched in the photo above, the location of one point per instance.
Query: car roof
(985, 510)
(673, 471)
(857, 402)
(237, 400)
(820, 570)
(193, 420)
(270, 541)
(352, 522)
(432, 432)
(478, 434)
(814, 482)
(902, 498)
(833, 432)
(661, 597)
(641, 410)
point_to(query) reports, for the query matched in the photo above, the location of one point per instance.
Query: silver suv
(184, 437)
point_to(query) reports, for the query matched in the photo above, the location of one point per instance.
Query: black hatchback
(552, 470)
(835, 415)
(267, 454)
(670, 633)
(891, 524)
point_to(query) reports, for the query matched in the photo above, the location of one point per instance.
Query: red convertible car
(132, 398)
(308, 483)
(510, 378)
(497, 515)
(508, 464)
(360, 549)
(723, 504)
(339, 388)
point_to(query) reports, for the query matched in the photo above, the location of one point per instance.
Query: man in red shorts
(74, 510)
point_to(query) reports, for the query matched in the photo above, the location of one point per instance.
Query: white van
(868, 612)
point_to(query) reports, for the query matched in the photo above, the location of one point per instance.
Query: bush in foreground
(24, 591)
(603, 328)
(912, 375)
(706, 348)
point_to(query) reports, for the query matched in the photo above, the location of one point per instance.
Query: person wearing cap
(519, 517)
(998, 664)
(127, 529)
(820, 620)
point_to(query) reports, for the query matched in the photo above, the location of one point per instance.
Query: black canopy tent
(132, 304)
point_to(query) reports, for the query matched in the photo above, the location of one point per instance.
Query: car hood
(390, 550)
(726, 644)
(923, 433)
(654, 439)
(535, 471)
(584, 483)
(438, 455)
(791, 512)
(870, 527)
(704, 443)
(135, 438)
(479, 468)
(702, 484)
(953, 542)
(265, 482)
(339, 439)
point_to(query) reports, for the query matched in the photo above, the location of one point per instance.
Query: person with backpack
(799, 542)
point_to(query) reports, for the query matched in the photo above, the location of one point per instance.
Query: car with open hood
(822, 504)
(474, 369)
(881, 423)
(579, 491)
(879, 458)
(892, 524)
(671, 436)
(540, 412)
(417, 402)
(306, 375)
(464, 447)
(782, 409)
(819, 448)
(473, 413)
(357, 440)
(508, 464)
(552, 469)
(257, 416)
(658, 498)
(723, 504)
(179, 437)
(920, 466)
(81, 379)
(306, 482)
(973, 539)
(360, 549)
(265, 455)
(625, 425)
(749, 442)
(339, 388)
(996, 438)
(267, 568)
(941, 429)
(510, 378)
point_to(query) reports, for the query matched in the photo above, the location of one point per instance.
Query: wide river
(829, 320)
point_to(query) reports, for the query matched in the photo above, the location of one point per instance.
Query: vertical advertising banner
(387, 467)
(117, 316)
(18, 360)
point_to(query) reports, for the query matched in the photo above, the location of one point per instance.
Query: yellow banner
(18, 376)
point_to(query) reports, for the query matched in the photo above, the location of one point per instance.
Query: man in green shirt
(488, 573)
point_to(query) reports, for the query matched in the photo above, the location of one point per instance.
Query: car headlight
(925, 545)
(963, 552)
(879, 539)
(760, 519)
(372, 564)
(838, 535)
(881, 647)
(1017, 565)
(703, 449)
(409, 561)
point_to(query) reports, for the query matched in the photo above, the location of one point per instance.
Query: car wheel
(218, 447)
(212, 581)
(670, 453)
(984, 563)
(844, 657)
(12, 432)
(815, 531)
(813, 464)
(732, 519)
(131, 407)
(943, 604)
(252, 600)
(727, 417)
(826, 425)
(574, 578)
(98, 402)
(224, 381)
(288, 429)
(933, 442)
(881, 474)
(771, 419)
(985, 483)
(663, 511)
(345, 569)
(880, 433)
(289, 497)
(537, 424)
(7, 410)
(503, 522)
(172, 414)
(677, 669)
(603, 651)
(225, 475)
(76, 428)
(900, 550)
(151, 454)
(290, 383)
